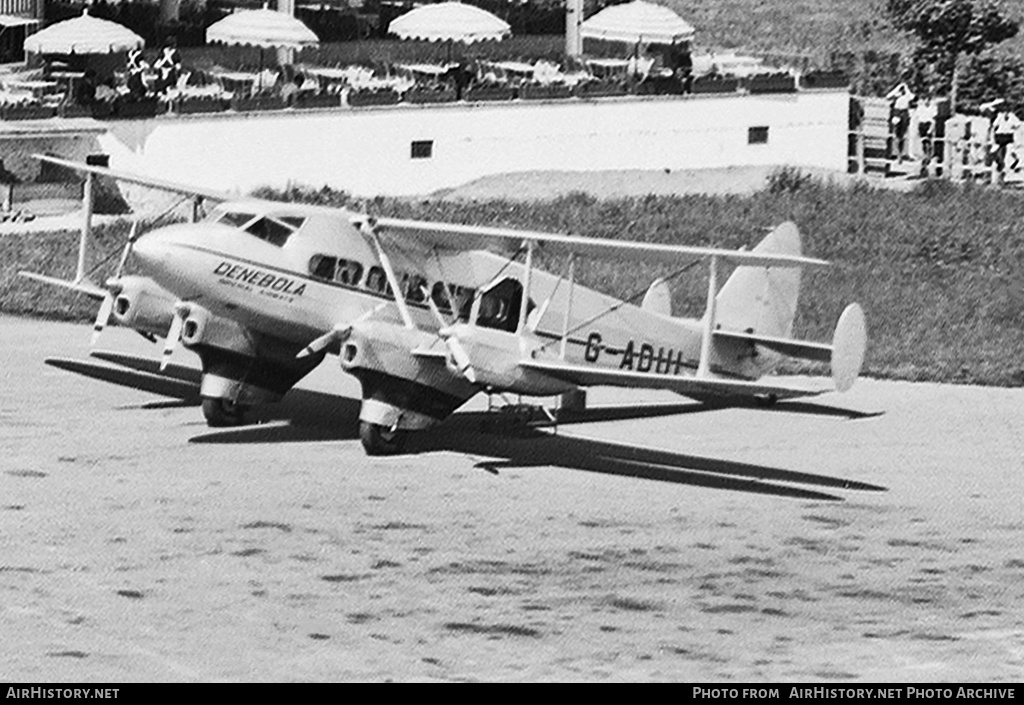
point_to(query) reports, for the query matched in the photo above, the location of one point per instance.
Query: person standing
(900, 99)
(1004, 130)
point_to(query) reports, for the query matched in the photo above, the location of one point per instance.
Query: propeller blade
(532, 325)
(462, 362)
(127, 249)
(324, 341)
(173, 335)
(340, 333)
(102, 317)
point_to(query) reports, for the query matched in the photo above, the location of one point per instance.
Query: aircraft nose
(152, 249)
(164, 253)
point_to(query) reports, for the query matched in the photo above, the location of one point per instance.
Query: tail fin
(762, 300)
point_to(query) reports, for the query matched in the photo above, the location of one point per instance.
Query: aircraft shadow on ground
(518, 443)
(513, 440)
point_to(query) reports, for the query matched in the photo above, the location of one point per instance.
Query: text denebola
(260, 278)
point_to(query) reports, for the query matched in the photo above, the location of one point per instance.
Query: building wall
(368, 151)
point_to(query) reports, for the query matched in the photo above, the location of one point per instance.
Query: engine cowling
(143, 305)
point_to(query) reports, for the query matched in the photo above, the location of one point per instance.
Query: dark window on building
(423, 149)
(757, 135)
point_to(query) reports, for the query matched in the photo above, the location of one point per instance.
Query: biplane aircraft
(426, 315)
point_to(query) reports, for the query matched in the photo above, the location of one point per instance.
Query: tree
(947, 30)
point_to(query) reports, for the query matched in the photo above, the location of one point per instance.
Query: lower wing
(693, 387)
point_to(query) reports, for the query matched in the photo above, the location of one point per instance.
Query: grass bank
(939, 270)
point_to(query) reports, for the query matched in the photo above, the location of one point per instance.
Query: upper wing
(693, 387)
(163, 185)
(461, 237)
(455, 236)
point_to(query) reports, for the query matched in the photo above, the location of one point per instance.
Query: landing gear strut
(381, 440)
(220, 412)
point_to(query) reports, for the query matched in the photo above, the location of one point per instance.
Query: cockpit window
(235, 218)
(273, 231)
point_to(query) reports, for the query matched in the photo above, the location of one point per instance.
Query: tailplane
(756, 308)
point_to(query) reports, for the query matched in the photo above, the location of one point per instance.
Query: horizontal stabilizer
(143, 381)
(83, 286)
(805, 350)
(696, 388)
(846, 353)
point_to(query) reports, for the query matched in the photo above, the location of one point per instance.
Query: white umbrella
(263, 28)
(83, 35)
(637, 22)
(450, 21)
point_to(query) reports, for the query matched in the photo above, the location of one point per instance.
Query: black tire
(379, 440)
(222, 413)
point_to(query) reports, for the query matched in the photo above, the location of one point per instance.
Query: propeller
(181, 312)
(113, 287)
(339, 333)
(462, 362)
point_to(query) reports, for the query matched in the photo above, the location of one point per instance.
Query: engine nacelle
(203, 329)
(144, 305)
(494, 357)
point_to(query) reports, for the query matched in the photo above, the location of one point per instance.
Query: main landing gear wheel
(221, 412)
(381, 440)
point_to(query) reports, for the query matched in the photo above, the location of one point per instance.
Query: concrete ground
(139, 545)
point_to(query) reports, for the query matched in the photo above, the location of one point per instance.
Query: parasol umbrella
(637, 22)
(450, 22)
(262, 28)
(83, 35)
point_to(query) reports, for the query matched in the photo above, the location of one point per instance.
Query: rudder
(763, 300)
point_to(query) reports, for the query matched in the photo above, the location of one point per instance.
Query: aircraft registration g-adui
(426, 315)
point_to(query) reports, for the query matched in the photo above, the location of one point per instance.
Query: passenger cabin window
(322, 266)
(459, 296)
(377, 281)
(413, 285)
(349, 272)
(342, 271)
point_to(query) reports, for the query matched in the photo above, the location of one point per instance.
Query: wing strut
(403, 310)
(704, 366)
(568, 306)
(524, 306)
(86, 226)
